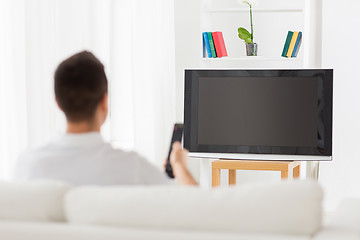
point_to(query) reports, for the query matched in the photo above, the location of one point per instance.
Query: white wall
(187, 41)
(341, 50)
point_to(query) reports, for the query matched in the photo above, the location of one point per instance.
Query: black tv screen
(259, 111)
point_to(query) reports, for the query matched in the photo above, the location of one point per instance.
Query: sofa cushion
(32, 201)
(281, 208)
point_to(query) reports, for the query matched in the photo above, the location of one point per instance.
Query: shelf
(251, 58)
(264, 10)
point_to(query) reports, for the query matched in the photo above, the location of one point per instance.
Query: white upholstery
(56, 231)
(281, 208)
(32, 201)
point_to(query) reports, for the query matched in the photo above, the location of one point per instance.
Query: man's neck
(82, 127)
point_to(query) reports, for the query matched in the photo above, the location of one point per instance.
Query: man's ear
(104, 102)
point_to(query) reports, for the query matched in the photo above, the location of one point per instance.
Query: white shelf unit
(252, 58)
(256, 10)
(272, 20)
(253, 62)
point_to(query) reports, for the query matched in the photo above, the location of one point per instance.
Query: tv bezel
(325, 82)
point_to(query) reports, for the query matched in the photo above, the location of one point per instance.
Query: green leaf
(247, 2)
(244, 34)
(248, 40)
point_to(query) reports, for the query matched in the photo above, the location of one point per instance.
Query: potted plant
(251, 47)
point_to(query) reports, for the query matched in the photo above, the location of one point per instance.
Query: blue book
(297, 45)
(207, 44)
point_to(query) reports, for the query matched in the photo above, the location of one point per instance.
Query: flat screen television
(242, 114)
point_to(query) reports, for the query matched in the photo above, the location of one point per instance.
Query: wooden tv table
(233, 165)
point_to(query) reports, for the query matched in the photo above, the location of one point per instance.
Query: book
(207, 45)
(287, 43)
(297, 45)
(292, 44)
(219, 44)
(204, 47)
(211, 43)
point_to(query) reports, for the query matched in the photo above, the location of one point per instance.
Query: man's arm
(178, 160)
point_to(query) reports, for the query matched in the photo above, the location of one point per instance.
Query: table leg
(296, 172)
(232, 176)
(215, 177)
(285, 173)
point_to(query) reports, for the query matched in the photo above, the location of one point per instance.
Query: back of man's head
(80, 85)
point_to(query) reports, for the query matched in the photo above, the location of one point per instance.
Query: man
(81, 156)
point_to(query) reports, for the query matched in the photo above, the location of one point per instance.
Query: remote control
(177, 136)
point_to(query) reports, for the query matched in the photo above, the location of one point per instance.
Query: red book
(219, 44)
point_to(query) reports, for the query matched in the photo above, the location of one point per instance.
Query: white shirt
(83, 159)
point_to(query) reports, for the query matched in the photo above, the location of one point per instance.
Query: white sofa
(287, 210)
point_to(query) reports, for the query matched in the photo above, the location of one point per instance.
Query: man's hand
(178, 161)
(178, 155)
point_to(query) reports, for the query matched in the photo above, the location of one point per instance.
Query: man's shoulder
(33, 152)
(104, 149)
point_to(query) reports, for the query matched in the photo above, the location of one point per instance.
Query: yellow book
(292, 44)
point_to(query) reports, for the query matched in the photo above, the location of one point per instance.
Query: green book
(212, 46)
(287, 43)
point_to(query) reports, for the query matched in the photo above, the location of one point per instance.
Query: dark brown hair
(80, 84)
